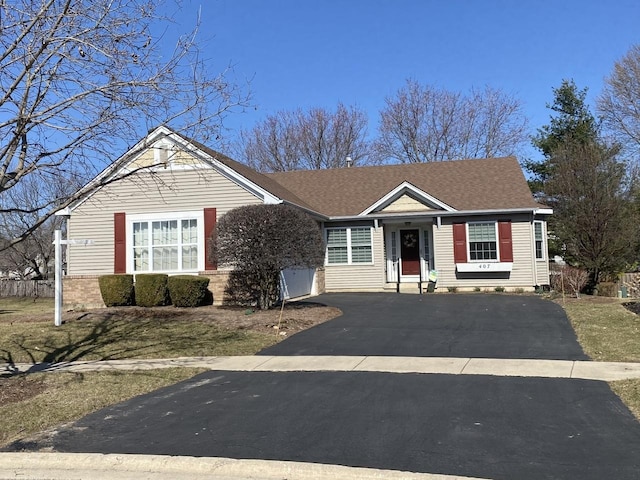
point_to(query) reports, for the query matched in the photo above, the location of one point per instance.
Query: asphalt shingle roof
(479, 184)
(475, 184)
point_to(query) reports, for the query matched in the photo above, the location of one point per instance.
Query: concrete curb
(71, 466)
(604, 371)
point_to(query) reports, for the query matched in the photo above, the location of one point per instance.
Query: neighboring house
(475, 222)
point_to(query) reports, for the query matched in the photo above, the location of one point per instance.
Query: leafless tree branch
(82, 81)
(427, 124)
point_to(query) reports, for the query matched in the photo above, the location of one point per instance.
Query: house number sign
(484, 267)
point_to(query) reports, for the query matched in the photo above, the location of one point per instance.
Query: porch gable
(407, 198)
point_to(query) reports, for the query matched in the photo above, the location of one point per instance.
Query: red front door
(410, 251)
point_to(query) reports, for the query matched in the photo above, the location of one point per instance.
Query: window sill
(484, 267)
(349, 264)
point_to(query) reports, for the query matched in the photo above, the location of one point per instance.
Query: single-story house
(473, 223)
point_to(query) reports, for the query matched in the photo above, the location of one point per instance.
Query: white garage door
(297, 282)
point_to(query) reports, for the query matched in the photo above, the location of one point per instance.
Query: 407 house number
(485, 267)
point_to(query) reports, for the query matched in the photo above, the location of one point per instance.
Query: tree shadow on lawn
(110, 337)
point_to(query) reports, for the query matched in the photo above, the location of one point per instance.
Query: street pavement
(440, 417)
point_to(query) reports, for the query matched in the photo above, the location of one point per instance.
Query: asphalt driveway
(488, 427)
(473, 325)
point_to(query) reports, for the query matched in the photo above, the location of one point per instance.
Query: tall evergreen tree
(572, 121)
(587, 184)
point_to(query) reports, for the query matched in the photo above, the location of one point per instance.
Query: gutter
(443, 213)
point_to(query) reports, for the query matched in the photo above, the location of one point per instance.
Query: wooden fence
(632, 282)
(27, 288)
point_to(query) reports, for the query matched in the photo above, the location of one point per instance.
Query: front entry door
(410, 251)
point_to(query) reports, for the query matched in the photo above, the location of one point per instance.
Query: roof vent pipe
(349, 162)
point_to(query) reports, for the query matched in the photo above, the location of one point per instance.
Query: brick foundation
(217, 282)
(81, 291)
(320, 288)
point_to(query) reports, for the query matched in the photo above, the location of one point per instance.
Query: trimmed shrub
(151, 290)
(607, 289)
(188, 290)
(116, 290)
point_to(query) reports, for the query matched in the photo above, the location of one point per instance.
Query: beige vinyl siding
(542, 272)
(147, 158)
(165, 191)
(405, 203)
(167, 152)
(358, 277)
(522, 274)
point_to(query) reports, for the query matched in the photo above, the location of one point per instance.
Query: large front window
(482, 241)
(165, 245)
(349, 245)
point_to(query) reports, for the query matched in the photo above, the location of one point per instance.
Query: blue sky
(299, 53)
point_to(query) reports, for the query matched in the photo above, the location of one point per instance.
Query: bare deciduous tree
(565, 278)
(32, 257)
(427, 124)
(306, 140)
(83, 80)
(619, 103)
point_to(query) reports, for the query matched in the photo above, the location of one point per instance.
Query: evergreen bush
(151, 290)
(116, 290)
(188, 290)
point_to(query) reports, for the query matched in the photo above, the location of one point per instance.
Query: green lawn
(133, 333)
(11, 306)
(607, 331)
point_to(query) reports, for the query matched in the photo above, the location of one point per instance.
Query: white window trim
(544, 241)
(349, 253)
(495, 226)
(167, 216)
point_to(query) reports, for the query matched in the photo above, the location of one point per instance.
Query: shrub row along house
(474, 222)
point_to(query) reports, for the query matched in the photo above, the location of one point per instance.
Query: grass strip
(607, 331)
(65, 397)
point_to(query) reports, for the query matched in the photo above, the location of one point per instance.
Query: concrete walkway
(588, 370)
(95, 466)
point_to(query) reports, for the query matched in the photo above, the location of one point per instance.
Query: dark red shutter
(120, 242)
(209, 231)
(459, 243)
(506, 245)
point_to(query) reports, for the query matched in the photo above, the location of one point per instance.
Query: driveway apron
(487, 427)
(457, 325)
